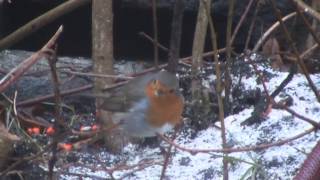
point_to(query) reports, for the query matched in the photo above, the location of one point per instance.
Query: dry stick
(308, 51)
(266, 35)
(198, 46)
(30, 158)
(277, 91)
(308, 9)
(58, 123)
(81, 175)
(207, 54)
(121, 167)
(153, 41)
(240, 149)
(285, 82)
(252, 26)
(87, 87)
(306, 22)
(219, 89)
(155, 33)
(137, 167)
(175, 36)
(98, 75)
(261, 76)
(50, 96)
(18, 71)
(284, 107)
(304, 55)
(244, 15)
(228, 83)
(295, 50)
(167, 157)
(41, 21)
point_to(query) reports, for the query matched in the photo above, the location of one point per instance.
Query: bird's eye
(158, 93)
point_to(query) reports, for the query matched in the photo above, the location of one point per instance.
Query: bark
(198, 46)
(176, 31)
(102, 55)
(200, 100)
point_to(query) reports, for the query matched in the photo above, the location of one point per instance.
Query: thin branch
(167, 157)
(295, 51)
(18, 71)
(41, 21)
(308, 9)
(155, 33)
(58, 123)
(143, 34)
(218, 88)
(98, 75)
(239, 149)
(252, 25)
(50, 96)
(306, 22)
(266, 35)
(244, 15)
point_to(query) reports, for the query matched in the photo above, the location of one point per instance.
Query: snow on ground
(280, 162)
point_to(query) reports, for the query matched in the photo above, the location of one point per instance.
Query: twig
(308, 9)
(252, 25)
(285, 82)
(154, 41)
(295, 51)
(244, 15)
(155, 33)
(305, 54)
(59, 123)
(18, 71)
(266, 35)
(219, 89)
(98, 75)
(185, 59)
(240, 149)
(41, 21)
(227, 81)
(167, 157)
(30, 158)
(50, 96)
(308, 51)
(87, 87)
(284, 107)
(306, 22)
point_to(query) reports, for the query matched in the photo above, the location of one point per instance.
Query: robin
(147, 105)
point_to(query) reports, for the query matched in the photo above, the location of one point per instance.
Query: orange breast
(165, 105)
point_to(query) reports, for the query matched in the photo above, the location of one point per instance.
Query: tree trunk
(198, 46)
(102, 55)
(200, 101)
(175, 37)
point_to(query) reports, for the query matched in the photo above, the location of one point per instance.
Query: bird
(146, 105)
